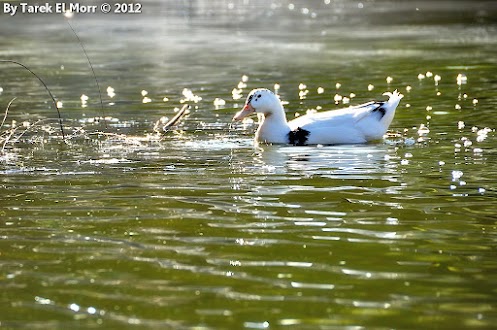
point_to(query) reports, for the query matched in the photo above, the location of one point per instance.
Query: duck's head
(260, 100)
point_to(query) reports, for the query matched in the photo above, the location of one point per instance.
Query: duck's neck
(273, 128)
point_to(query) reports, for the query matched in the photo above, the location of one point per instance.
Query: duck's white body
(357, 124)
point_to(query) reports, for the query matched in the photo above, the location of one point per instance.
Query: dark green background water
(200, 230)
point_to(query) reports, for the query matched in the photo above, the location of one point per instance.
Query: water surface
(200, 229)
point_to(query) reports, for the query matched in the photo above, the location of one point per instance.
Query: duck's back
(357, 124)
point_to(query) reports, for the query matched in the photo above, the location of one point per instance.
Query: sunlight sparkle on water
(74, 307)
(461, 79)
(111, 92)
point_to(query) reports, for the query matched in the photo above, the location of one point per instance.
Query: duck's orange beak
(246, 111)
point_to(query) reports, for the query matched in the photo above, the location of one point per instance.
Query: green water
(118, 228)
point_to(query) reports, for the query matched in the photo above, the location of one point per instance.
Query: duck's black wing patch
(379, 109)
(298, 137)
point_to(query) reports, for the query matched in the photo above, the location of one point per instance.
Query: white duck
(357, 124)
